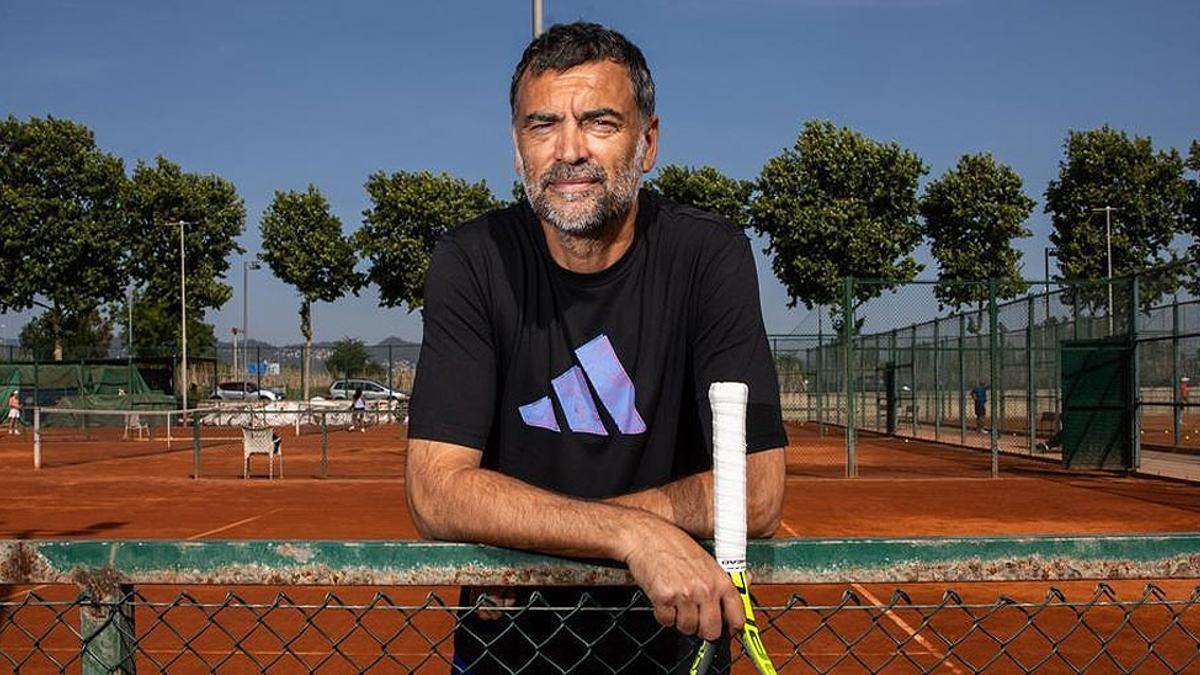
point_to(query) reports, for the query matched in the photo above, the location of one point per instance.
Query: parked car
(372, 390)
(244, 391)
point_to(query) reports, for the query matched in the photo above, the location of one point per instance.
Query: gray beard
(594, 220)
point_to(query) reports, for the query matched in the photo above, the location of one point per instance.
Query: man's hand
(689, 591)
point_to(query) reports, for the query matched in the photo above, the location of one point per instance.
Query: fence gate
(1098, 406)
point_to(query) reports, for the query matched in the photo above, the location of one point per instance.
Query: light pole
(536, 11)
(247, 265)
(183, 310)
(1108, 244)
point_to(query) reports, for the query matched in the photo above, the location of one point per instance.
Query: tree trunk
(306, 331)
(56, 327)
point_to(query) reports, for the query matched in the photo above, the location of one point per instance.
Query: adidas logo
(599, 366)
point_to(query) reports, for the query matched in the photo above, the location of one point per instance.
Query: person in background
(359, 407)
(14, 412)
(979, 396)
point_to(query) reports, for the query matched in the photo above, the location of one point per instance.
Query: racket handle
(704, 658)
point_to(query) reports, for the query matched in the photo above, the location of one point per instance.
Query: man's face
(582, 146)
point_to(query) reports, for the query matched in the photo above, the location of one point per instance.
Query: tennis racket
(728, 402)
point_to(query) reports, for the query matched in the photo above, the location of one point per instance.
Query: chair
(133, 422)
(261, 441)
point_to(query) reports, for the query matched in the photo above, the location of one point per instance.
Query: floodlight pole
(1108, 244)
(247, 265)
(183, 310)
(536, 11)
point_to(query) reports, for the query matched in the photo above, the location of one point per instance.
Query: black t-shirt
(592, 385)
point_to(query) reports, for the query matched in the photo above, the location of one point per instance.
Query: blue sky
(275, 95)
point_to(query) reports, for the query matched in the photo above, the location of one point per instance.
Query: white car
(372, 391)
(244, 391)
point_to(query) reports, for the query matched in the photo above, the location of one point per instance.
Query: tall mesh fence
(956, 365)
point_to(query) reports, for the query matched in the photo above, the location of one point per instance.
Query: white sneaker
(351, 427)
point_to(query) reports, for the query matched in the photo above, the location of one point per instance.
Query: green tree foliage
(162, 194)
(304, 246)
(348, 358)
(835, 205)
(156, 327)
(84, 335)
(409, 213)
(1193, 208)
(972, 215)
(707, 189)
(1105, 167)
(61, 224)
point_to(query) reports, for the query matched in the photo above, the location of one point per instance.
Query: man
(560, 400)
(979, 396)
(14, 412)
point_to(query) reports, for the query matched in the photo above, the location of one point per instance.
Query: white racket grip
(728, 402)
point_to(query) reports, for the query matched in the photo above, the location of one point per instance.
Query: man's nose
(571, 145)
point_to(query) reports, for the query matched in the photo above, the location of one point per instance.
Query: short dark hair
(567, 45)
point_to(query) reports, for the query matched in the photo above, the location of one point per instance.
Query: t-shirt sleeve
(454, 392)
(730, 343)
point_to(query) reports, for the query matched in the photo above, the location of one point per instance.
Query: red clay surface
(906, 489)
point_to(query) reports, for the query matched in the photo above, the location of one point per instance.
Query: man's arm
(688, 501)
(452, 498)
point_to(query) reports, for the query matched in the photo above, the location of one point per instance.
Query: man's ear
(651, 138)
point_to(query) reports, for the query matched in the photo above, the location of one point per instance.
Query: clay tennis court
(907, 489)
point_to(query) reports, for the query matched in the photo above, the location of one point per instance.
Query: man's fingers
(664, 615)
(687, 618)
(731, 606)
(710, 620)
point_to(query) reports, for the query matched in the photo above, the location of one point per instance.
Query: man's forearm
(465, 503)
(688, 501)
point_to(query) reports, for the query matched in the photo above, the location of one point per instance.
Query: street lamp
(247, 265)
(183, 309)
(1108, 244)
(536, 12)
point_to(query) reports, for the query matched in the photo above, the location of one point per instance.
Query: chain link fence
(386, 607)
(957, 365)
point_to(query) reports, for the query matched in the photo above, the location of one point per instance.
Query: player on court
(560, 402)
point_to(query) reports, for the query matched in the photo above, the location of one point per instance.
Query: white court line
(920, 639)
(27, 591)
(787, 528)
(230, 526)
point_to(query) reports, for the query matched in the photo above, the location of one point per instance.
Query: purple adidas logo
(598, 363)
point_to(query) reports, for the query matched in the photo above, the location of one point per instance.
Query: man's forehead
(604, 79)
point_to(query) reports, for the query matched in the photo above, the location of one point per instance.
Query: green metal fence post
(391, 382)
(1135, 428)
(937, 380)
(107, 632)
(848, 338)
(912, 376)
(324, 447)
(1175, 388)
(196, 444)
(962, 379)
(1031, 410)
(993, 353)
(820, 371)
(258, 366)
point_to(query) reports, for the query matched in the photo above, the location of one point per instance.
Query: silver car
(372, 390)
(244, 391)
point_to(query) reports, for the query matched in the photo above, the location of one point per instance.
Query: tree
(1104, 167)
(837, 205)
(61, 224)
(304, 246)
(161, 195)
(972, 215)
(156, 327)
(85, 335)
(1193, 208)
(707, 189)
(348, 358)
(409, 213)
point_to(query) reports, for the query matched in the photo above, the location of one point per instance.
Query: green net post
(107, 632)
(324, 447)
(1135, 428)
(195, 444)
(848, 340)
(937, 380)
(962, 379)
(1031, 411)
(1175, 381)
(820, 371)
(994, 376)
